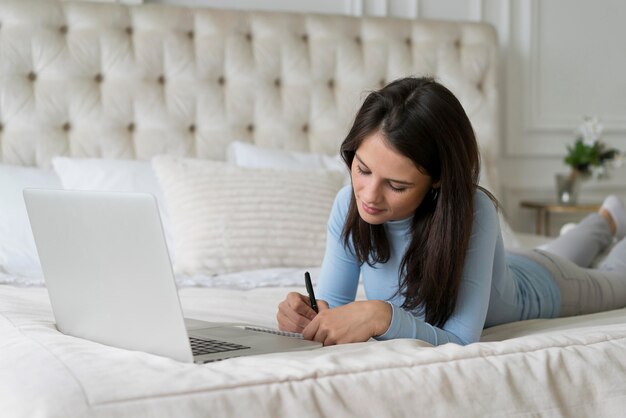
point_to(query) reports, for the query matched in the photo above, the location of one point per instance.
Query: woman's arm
(358, 321)
(466, 323)
(339, 276)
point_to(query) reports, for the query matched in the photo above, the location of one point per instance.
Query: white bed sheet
(45, 373)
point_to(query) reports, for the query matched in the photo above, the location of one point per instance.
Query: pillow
(18, 255)
(110, 175)
(249, 155)
(227, 218)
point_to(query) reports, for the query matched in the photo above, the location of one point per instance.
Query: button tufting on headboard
(277, 79)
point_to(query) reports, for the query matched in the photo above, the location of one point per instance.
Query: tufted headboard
(116, 81)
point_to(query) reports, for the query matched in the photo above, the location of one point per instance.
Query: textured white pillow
(249, 155)
(18, 255)
(101, 174)
(227, 218)
(110, 175)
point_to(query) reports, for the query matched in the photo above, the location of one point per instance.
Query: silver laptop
(110, 280)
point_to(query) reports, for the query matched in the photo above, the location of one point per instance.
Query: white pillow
(249, 155)
(227, 218)
(18, 255)
(101, 174)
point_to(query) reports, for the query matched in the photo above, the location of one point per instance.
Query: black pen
(309, 290)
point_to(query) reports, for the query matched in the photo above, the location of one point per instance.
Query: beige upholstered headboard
(115, 81)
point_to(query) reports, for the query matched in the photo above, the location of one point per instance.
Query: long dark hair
(424, 121)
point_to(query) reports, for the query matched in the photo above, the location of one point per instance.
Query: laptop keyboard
(201, 346)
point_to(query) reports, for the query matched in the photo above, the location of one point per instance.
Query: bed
(91, 95)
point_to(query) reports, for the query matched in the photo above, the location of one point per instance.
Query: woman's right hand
(295, 312)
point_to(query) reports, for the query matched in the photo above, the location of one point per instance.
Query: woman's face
(387, 185)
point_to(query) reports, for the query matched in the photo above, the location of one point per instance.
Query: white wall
(430, 9)
(563, 59)
(560, 60)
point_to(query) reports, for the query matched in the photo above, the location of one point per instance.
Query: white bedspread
(562, 367)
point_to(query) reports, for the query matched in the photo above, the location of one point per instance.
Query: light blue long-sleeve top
(496, 287)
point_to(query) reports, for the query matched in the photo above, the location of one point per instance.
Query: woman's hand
(295, 312)
(355, 322)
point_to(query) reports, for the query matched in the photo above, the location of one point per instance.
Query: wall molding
(536, 118)
(531, 131)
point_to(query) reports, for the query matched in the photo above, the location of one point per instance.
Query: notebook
(110, 280)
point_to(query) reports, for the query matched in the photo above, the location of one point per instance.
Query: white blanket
(562, 367)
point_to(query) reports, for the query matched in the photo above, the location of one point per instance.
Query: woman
(425, 238)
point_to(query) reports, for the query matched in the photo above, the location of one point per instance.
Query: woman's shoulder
(345, 192)
(484, 205)
(342, 200)
(340, 209)
(482, 197)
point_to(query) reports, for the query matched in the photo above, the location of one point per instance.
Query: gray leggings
(586, 290)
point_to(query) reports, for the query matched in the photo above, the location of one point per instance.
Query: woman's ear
(436, 184)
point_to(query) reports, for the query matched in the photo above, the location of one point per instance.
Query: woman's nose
(371, 192)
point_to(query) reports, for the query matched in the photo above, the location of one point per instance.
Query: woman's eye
(397, 189)
(361, 171)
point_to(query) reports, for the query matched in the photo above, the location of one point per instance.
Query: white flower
(591, 130)
(600, 172)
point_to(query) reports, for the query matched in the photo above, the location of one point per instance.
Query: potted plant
(588, 157)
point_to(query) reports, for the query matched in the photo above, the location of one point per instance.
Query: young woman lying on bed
(426, 238)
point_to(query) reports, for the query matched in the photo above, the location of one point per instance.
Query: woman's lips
(370, 210)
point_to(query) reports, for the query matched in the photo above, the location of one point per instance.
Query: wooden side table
(543, 209)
